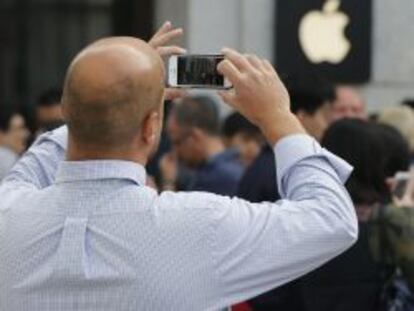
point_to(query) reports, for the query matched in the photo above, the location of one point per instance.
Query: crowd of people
(201, 150)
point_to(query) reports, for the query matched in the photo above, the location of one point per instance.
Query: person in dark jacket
(311, 103)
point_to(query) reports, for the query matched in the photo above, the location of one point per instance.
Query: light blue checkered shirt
(91, 236)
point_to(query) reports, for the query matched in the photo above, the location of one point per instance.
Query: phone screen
(199, 70)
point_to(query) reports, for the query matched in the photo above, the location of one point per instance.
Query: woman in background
(356, 279)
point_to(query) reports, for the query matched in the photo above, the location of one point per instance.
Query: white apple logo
(321, 34)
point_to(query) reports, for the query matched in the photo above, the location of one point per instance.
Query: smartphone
(196, 71)
(401, 183)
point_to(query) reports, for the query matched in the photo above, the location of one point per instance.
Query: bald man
(79, 230)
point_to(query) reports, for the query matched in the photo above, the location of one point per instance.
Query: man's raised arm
(257, 247)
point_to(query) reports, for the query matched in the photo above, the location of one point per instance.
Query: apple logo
(322, 34)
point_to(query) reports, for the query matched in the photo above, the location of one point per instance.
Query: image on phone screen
(199, 70)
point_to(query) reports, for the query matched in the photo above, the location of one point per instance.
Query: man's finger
(163, 29)
(171, 50)
(255, 62)
(237, 59)
(165, 38)
(229, 70)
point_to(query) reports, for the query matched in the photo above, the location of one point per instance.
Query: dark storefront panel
(38, 38)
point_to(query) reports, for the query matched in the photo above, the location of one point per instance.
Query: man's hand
(162, 38)
(259, 95)
(161, 42)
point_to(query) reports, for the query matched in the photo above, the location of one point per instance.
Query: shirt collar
(72, 171)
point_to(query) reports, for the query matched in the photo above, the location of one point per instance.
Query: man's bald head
(110, 87)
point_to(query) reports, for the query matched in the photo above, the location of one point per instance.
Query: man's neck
(75, 153)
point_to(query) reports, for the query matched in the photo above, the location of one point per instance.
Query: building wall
(248, 25)
(38, 41)
(393, 59)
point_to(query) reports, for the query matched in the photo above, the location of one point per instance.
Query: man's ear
(151, 126)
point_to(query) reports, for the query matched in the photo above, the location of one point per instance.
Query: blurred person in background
(396, 224)
(194, 131)
(240, 134)
(311, 103)
(348, 104)
(13, 139)
(356, 279)
(49, 111)
(402, 119)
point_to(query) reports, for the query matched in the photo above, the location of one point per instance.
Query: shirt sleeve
(38, 166)
(258, 247)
